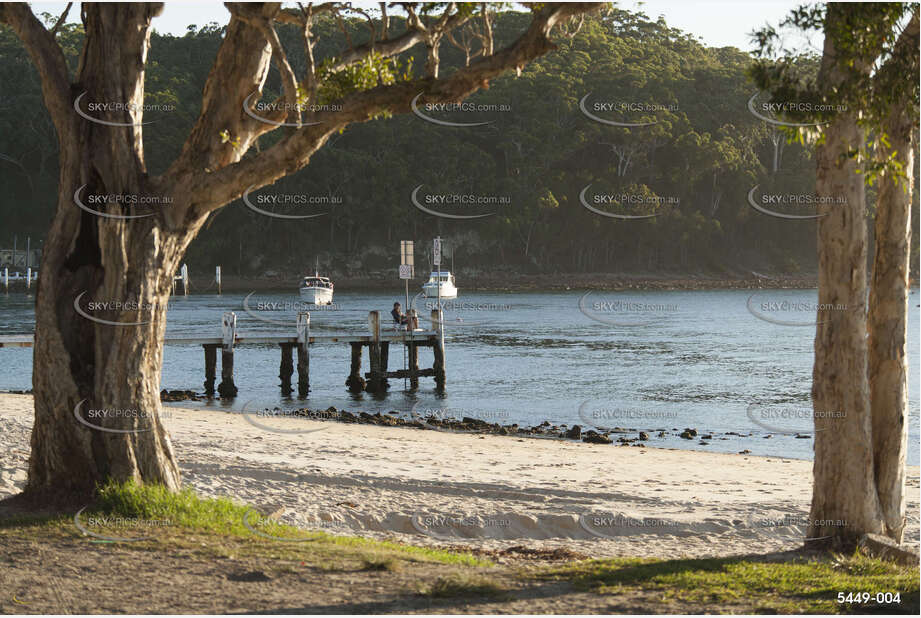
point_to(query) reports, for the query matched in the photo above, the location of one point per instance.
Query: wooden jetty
(377, 342)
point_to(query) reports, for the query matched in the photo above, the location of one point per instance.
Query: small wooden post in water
(210, 367)
(413, 351)
(413, 364)
(374, 351)
(438, 348)
(355, 382)
(227, 388)
(286, 369)
(303, 353)
(217, 278)
(385, 356)
(28, 278)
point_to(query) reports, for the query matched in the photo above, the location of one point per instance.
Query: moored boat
(317, 290)
(440, 285)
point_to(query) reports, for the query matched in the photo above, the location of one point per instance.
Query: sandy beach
(439, 488)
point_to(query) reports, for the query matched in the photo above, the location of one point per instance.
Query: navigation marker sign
(406, 259)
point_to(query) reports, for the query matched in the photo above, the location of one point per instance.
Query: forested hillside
(692, 155)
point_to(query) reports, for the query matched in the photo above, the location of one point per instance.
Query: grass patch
(463, 585)
(797, 586)
(129, 510)
(184, 509)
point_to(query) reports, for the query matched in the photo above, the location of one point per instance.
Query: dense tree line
(694, 165)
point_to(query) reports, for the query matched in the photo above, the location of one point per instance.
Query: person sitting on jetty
(399, 318)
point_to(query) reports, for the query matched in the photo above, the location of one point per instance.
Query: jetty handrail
(27, 340)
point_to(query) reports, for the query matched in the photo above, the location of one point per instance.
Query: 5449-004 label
(870, 597)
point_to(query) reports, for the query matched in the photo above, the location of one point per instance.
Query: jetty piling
(377, 351)
(413, 353)
(210, 367)
(303, 353)
(385, 356)
(286, 369)
(227, 389)
(438, 345)
(355, 382)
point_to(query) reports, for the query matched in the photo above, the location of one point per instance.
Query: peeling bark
(888, 324)
(844, 500)
(888, 305)
(79, 364)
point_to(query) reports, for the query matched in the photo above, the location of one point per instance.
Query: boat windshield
(441, 277)
(317, 282)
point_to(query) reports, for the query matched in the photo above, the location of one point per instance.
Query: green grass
(170, 517)
(797, 586)
(187, 510)
(183, 509)
(795, 583)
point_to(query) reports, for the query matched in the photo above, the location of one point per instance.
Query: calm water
(644, 360)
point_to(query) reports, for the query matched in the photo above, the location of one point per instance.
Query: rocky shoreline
(621, 436)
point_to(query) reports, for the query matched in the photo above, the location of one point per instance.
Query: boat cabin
(316, 282)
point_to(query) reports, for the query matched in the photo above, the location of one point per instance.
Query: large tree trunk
(888, 323)
(81, 364)
(844, 499)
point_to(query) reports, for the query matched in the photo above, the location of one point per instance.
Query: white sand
(432, 487)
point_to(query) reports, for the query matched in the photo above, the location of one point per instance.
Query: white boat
(317, 290)
(440, 285)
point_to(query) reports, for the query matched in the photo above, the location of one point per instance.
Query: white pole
(217, 278)
(185, 280)
(6, 279)
(29, 278)
(441, 317)
(436, 260)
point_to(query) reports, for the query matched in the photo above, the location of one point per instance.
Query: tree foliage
(704, 152)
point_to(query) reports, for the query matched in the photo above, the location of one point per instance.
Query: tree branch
(239, 72)
(385, 22)
(212, 190)
(310, 80)
(289, 81)
(61, 19)
(903, 60)
(48, 59)
(290, 16)
(392, 47)
(371, 27)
